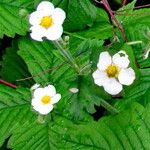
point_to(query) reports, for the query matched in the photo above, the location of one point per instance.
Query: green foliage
(10, 20)
(32, 52)
(123, 131)
(17, 64)
(136, 26)
(14, 105)
(81, 13)
(71, 124)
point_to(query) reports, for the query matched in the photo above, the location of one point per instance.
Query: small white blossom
(74, 90)
(47, 22)
(113, 72)
(44, 99)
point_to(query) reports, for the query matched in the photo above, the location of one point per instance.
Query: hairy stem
(109, 107)
(67, 56)
(8, 84)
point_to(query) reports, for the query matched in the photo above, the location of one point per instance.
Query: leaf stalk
(67, 56)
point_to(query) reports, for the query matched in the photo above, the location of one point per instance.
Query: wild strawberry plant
(75, 76)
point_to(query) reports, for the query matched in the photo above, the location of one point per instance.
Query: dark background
(115, 4)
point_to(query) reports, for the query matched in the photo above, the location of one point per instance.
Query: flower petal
(126, 76)
(121, 59)
(35, 86)
(55, 99)
(104, 61)
(38, 93)
(46, 7)
(37, 33)
(58, 16)
(112, 86)
(35, 18)
(100, 77)
(43, 109)
(54, 33)
(34, 102)
(50, 90)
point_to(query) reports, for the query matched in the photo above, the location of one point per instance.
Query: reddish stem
(8, 84)
(108, 8)
(124, 2)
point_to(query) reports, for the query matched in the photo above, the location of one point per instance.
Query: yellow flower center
(46, 99)
(46, 22)
(112, 71)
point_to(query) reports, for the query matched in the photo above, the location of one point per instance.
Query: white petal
(37, 33)
(104, 61)
(58, 16)
(100, 77)
(46, 7)
(38, 93)
(54, 33)
(35, 18)
(35, 102)
(121, 59)
(35, 86)
(126, 76)
(50, 90)
(55, 99)
(112, 86)
(43, 109)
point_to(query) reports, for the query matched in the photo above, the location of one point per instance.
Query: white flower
(47, 22)
(113, 72)
(44, 99)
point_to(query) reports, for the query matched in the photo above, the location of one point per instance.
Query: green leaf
(123, 131)
(80, 13)
(128, 130)
(11, 20)
(38, 57)
(13, 110)
(13, 67)
(102, 26)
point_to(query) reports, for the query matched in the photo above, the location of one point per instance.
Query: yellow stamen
(46, 22)
(46, 99)
(112, 71)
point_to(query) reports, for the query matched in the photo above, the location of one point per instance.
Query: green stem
(41, 119)
(68, 57)
(109, 107)
(75, 35)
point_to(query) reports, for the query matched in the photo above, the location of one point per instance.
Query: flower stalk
(109, 107)
(68, 57)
